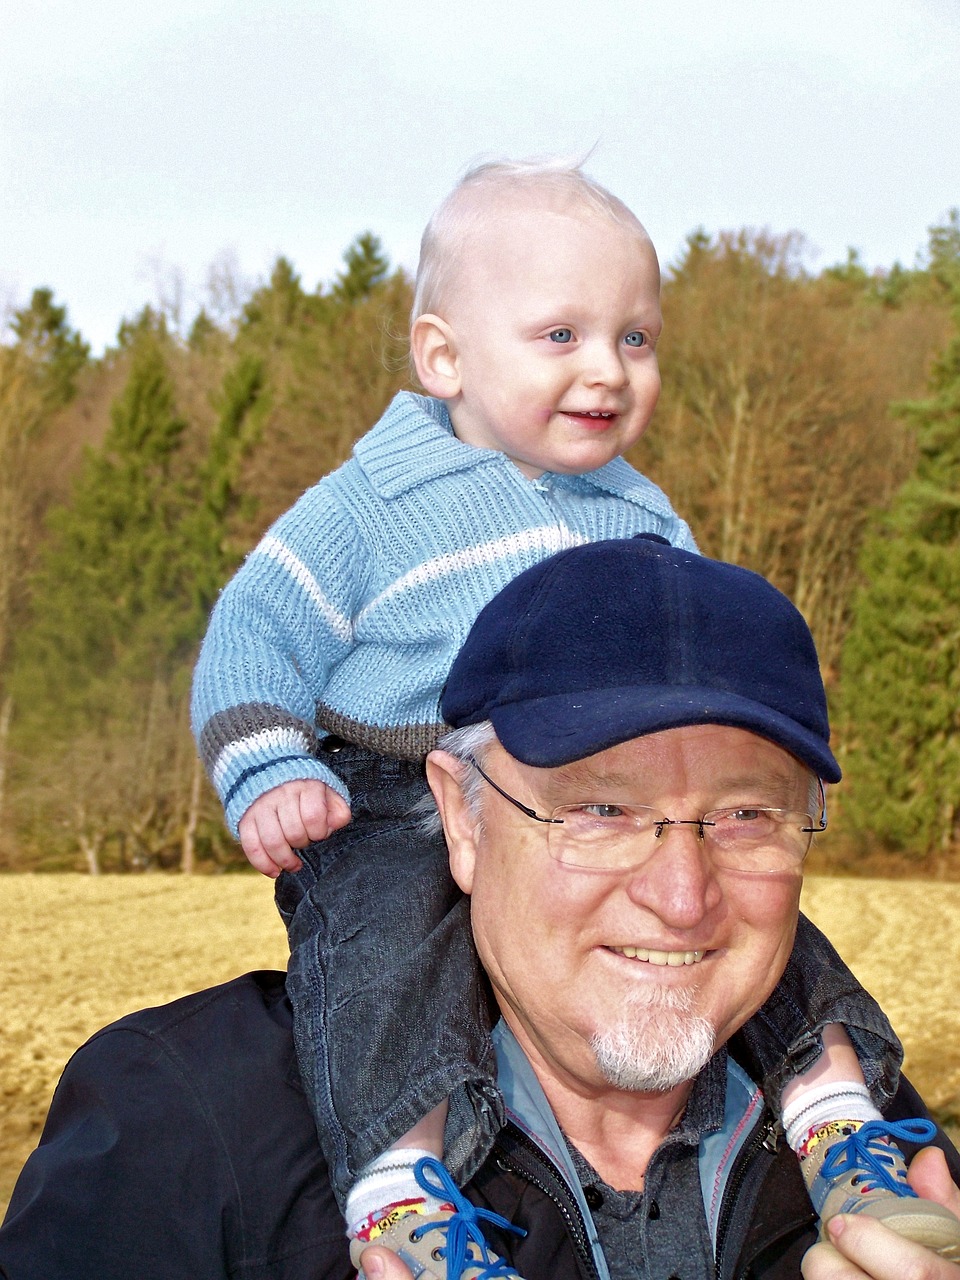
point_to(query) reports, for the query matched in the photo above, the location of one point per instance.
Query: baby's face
(555, 316)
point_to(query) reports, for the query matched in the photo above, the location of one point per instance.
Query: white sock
(818, 1105)
(385, 1182)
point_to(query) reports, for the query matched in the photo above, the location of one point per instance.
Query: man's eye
(756, 822)
(602, 810)
(635, 339)
(561, 335)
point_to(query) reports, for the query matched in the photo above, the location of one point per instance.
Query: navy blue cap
(609, 641)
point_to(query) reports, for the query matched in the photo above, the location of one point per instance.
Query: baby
(316, 697)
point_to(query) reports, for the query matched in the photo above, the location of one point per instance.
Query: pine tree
(279, 309)
(943, 253)
(22, 415)
(900, 680)
(130, 569)
(38, 376)
(115, 618)
(366, 267)
(330, 368)
(56, 352)
(213, 554)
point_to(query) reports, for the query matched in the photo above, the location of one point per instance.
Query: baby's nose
(605, 366)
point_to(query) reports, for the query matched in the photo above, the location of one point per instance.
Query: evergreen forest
(809, 428)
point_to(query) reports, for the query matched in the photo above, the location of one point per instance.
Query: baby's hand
(860, 1248)
(285, 819)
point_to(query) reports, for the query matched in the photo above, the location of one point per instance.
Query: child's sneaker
(448, 1245)
(851, 1166)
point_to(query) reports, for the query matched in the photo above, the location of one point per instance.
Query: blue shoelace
(463, 1228)
(871, 1160)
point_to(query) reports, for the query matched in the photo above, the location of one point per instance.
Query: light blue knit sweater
(347, 616)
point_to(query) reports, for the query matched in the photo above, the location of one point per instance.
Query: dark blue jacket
(179, 1146)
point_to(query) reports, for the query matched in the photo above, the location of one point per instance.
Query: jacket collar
(528, 1108)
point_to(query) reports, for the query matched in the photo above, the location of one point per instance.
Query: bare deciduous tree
(774, 438)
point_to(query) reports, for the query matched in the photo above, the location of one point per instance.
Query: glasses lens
(608, 836)
(757, 839)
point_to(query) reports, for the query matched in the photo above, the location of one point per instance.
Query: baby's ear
(434, 349)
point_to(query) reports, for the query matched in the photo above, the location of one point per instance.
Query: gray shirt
(662, 1231)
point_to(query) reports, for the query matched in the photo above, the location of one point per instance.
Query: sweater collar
(413, 443)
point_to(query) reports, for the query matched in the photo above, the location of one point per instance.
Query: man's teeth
(672, 958)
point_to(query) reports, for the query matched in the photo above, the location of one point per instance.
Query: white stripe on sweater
(547, 539)
(274, 549)
(265, 744)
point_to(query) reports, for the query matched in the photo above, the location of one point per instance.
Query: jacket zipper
(576, 1228)
(763, 1136)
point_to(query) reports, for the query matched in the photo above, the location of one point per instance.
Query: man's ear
(459, 824)
(434, 349)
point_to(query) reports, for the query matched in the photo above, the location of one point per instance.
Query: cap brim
(556, 730)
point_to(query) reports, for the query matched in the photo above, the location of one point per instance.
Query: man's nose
(677, 882)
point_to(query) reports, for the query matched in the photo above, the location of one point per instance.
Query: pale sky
(141, 141)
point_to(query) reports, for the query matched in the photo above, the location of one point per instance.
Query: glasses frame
(699, 823)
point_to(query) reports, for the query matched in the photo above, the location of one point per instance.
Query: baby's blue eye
(635, 339)
(561, 335)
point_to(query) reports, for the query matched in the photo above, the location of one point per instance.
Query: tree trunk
(91, 853)
(6, 714)
(188, 844)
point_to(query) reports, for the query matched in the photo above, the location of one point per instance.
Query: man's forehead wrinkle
(590, 774)
(774, 772)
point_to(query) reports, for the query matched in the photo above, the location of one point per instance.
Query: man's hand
(287, 818)
(862, 1247)
(383, 1264)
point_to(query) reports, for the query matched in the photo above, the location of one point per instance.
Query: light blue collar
(719, 1148)
(530, 1111)
(414, 443)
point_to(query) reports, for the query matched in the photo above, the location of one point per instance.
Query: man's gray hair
(816, 796)
(468, 207)
(467, 744)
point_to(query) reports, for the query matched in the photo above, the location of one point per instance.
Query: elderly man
(627, 797)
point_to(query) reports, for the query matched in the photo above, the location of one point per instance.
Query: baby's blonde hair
(558, 180)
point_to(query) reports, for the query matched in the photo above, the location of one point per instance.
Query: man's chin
(656, 1044)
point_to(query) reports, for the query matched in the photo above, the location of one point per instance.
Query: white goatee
(656, 1043)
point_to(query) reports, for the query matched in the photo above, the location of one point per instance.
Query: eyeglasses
(611, 836)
